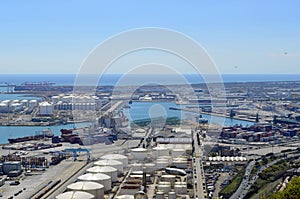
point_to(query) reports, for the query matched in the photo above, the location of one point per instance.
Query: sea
(113, 79)
(137, 111)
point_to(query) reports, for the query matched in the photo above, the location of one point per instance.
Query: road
(247, 182)
(244, 184)
(198, 173)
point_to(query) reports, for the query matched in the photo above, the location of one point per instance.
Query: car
(15, 183)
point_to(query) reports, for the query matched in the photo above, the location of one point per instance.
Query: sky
(241, 37)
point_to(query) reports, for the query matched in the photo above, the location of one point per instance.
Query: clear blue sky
(241, 36)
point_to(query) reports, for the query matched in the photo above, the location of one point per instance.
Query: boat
(47, 133)
(202, 120)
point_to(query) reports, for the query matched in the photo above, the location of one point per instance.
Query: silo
(75, 195)
(110, 171)
(100, 178)
(119, 157)
(139, 153)
(160, 151)
(90, 187)
(112, 163)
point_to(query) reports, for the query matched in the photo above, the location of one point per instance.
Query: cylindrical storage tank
(161, 164)
(125, 197)
(139, 153)
(180, 189)
(181, 164)
(164, 188)
(160, 151)
(165, 183)
(178, 152)
(172, 195)
(160, 195)
(119, 157)
(90, 187)
(75, 195)
(110, 171)
(168, 178)
(136, 167)
(100, 178)
(112, 163)
(150, 167)
(168, 158)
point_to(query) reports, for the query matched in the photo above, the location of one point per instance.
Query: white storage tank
(125, 197)
(32, 103)
(150, 167)
(100, 178)
(180, 189)
(139, 153)
(160, 195)
(164, 188)
(172, 195)
(75, 195)
(93, 188)
(160, 151)
(178, 152)
(112, 163)
(136, 166)
(168, 178)
(110, 171)
(161, 164)
(119, 157)
(181, 164)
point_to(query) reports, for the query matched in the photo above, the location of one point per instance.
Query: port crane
(10, 87)
(75, 150)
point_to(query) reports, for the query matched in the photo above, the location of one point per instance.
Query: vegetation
(268, 176)
(292, 191)
(227, 191)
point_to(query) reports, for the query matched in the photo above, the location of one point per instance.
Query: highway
(247, 182)
(244, 184)
(198, 173)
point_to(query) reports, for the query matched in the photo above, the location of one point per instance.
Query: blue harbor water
(21, 131)
(144, 110)
(12, 96)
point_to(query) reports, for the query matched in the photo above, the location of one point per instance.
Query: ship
(47, 133)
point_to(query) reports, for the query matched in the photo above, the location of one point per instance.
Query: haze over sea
(112, 79)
